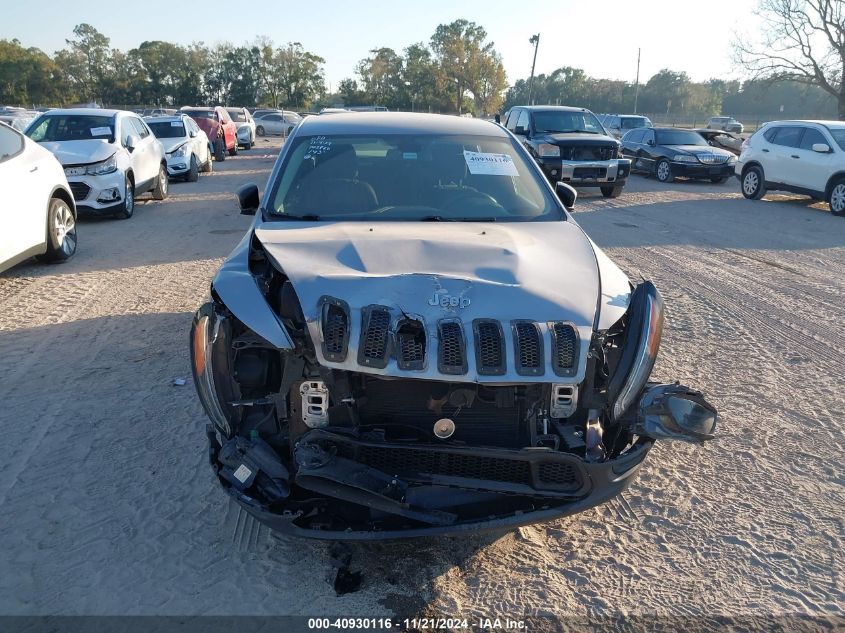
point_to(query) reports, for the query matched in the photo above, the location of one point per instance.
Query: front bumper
(178, 165)
(700, 170)
(98, 195)
(598, 173)
(454, 494)
(244, 135)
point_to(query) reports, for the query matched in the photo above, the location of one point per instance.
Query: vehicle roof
(398, 123)
(558, 108)
(87, 111)
(165, 119)
(669, 127)
(830, 123)
(189, 108)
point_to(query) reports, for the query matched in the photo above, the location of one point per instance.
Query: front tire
(259, 131)
(61, 232)
(753, 183)
(234, 150)
(247, 146)
(160, 190)
(128, 201)
(664, 171)
(220, 150)
(194, 171)
(611, 192)
(836, 199)
(208, 166)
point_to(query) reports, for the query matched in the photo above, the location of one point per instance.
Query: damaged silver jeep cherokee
(416, 338)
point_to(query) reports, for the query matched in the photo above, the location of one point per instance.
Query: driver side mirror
(192, 134)
(567, 195)
(821, 148)
(498, 118)
(248, 198)
(650, 142)
(130, 142)
(520, 131)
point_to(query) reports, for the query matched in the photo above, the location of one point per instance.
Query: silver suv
(619, 124)
(726, 123)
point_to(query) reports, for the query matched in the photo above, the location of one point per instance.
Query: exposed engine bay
(329, 452)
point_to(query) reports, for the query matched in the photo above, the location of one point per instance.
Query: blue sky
(600, 37)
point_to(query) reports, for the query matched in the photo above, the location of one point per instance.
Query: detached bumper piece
(348, 488)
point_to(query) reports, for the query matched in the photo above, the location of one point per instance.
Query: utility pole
(535, 40)
(637, 85)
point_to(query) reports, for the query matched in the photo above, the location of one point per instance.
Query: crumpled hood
(80, 152)
(539, 271)
(580, 138)
(172, 144)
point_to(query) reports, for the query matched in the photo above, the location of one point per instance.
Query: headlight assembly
(642, 342)
(547, 150)
(180, 151)
(106, 167)
(684, 158)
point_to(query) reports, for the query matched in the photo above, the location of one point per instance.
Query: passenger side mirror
(192, 134)
(821, 148)
(520, 131)
(248, 198)
(567, 195)
(650, 142)
(498, 118)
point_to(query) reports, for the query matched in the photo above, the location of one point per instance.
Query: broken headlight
(642, 341)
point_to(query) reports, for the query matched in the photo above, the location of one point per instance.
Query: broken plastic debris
(179, 382)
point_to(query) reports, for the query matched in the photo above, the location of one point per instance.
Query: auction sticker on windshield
(100, 131)
(486, 164)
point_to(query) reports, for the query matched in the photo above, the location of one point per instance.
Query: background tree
(803, 41)
(86, 60)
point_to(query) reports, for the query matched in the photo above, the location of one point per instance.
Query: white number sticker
(486, 164)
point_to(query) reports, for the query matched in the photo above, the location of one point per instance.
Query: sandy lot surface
(108, 507)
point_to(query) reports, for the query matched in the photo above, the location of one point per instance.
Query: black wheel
(664, 171)
(61, 232)
(234, 150)
(194, 171)
(836, 198)
(128, 201)
(259, 130)
(160, 190)
(718, 180)
(611, 192)
(753, 183)
(247, 146)
(208, 166)
(219, 150)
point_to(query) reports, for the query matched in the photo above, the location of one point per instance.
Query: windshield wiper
(440, 218)
(302, 218)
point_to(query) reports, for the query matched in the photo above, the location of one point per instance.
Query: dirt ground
(107, 505)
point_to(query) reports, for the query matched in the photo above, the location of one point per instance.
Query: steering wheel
(472, 201)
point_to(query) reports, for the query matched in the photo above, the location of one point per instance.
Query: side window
(523, 120)
(769, 134)
(648, 135)
(139, 126)
(811, 137)
(615, 122)
(37, 132)
(273, 117)
(513, 115)
(634, 136)
(11, 143)
(788, 136)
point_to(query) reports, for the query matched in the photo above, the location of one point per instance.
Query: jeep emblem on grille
(444, 300)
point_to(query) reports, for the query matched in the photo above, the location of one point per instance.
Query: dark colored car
(571, 146)
(669, 152)
(218, 126)
(415, 338)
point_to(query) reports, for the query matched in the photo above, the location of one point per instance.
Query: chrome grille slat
(451, 355)
(564, 348)
(528, 348)
(374, 346)
(489, 347)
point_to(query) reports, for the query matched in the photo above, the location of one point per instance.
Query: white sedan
(37, 212)
(272, 123)
(186, 146)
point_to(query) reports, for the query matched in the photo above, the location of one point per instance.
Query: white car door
(811, 169)
(140, 153)
(780, 144)
(22, 205)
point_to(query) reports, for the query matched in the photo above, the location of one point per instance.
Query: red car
(218, 126)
